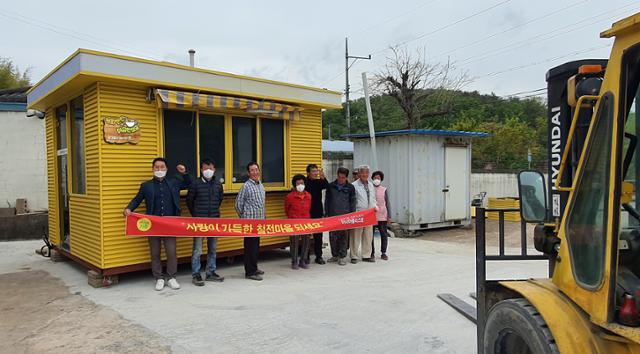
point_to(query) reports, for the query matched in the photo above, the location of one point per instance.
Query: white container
(427, 172)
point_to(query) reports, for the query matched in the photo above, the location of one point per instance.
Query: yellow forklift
(587, 222)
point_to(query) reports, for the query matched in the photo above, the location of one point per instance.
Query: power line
(70, 33)
(409, 12)
(526, 92)
(451, 24)
(520, 67)
(539, 95)
(549, 14)
(554, 33)
(383, 22)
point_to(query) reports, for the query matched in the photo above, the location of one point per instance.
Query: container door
(456, 172)
(63, 186)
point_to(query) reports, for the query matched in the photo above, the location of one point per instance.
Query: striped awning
(181, 99)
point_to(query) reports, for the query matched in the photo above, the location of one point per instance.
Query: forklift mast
(559, 114)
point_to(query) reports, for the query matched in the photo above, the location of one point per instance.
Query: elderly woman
(382, 215)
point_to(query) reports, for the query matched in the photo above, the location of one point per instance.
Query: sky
(504, 46)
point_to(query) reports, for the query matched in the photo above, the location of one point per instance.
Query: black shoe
(259, 272)
(254, 277)
(369, 260)
(197, 280)
(319, 260)
(214, 277)
(354, 260)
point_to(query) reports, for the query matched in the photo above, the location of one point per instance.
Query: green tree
(515, 125)
(10, 75)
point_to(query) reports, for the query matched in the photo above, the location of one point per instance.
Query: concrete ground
(381, 307)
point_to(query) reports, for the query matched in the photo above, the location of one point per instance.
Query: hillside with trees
(515, 125)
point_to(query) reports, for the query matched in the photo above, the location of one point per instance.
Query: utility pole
(372, 129)
(347, 112)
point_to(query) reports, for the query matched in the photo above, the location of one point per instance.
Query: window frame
(599, 116)
(71, 148)
(238, 185)
(285, 153)
(229, 186)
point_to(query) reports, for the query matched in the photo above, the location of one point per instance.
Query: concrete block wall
(22, 160)
(497, 185)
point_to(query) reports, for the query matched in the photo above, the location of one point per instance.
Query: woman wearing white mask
(297, 205)
(382, 214)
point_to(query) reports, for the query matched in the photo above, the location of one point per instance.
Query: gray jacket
(364, 203)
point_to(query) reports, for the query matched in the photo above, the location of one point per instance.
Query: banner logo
(144, 224)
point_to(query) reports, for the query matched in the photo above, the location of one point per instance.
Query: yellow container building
(107, 116)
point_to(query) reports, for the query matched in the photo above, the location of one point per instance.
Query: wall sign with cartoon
(121, 130)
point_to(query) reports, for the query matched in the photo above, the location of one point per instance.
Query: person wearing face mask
(297, 205)
(382, 215)
(203, 200)
(162, 197)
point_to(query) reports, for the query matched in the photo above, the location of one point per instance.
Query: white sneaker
(173, 284)
(159, 284)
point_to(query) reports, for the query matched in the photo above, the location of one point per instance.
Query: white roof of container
(337, 146)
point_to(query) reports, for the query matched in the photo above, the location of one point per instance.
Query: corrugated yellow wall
(114, 173)
(305, 139)
(124, 167)
(52, 177)
(84, 210)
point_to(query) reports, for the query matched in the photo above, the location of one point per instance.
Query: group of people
(205, 194)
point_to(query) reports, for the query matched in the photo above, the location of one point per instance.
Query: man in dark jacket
(315, 184)
(203, 200)
(340, 199)
(162, 197)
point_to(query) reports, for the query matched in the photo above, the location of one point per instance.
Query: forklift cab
(592, 230)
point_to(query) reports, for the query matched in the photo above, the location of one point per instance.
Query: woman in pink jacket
(382, 200)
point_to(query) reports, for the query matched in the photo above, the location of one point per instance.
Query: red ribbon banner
(177, 226)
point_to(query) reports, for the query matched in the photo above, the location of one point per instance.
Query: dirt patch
(468, 236)
(39, 315)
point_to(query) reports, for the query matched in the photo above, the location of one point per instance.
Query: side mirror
(533, 196)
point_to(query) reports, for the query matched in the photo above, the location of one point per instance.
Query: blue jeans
(197, 251)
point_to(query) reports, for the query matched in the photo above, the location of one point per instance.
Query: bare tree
(410, 80)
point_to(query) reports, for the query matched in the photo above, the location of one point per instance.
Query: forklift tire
(514, 326)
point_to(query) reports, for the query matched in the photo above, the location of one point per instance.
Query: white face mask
(160, 174)
(300, 188)
(208, 173)
(376, 182)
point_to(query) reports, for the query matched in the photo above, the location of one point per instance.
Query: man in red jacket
(297, 205)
